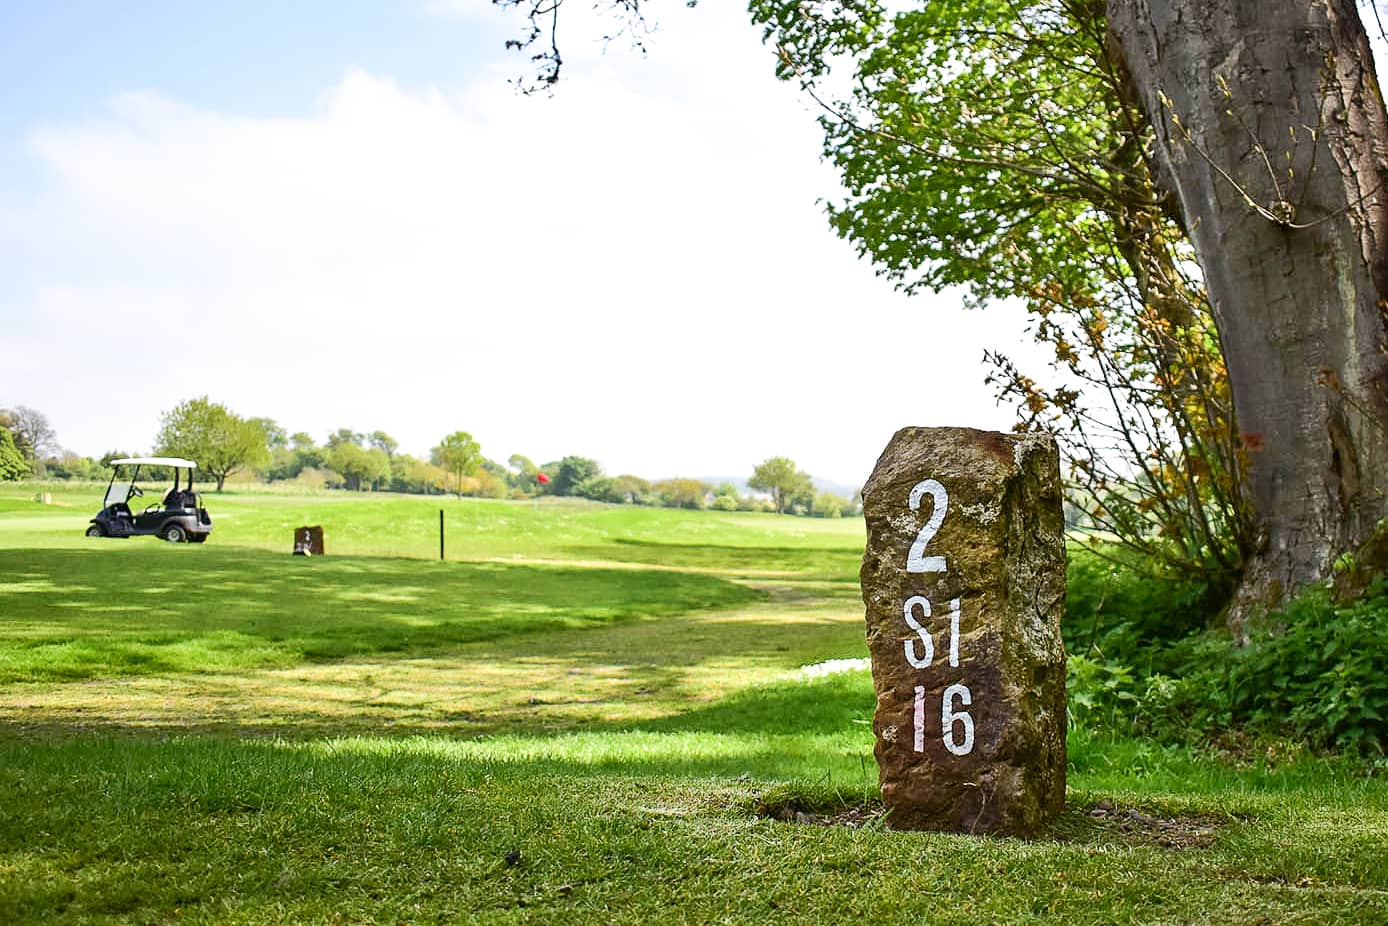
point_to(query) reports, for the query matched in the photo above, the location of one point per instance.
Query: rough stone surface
(308, 541)
(999, 550)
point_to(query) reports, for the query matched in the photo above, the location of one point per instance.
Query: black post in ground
(440, 535)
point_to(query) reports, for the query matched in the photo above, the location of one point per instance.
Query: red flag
(542, 479)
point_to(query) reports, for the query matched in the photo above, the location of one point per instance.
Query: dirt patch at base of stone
(853, 817)
(1103, 821)
(1133, 825)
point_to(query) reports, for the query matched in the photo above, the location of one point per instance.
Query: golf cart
(178, 518)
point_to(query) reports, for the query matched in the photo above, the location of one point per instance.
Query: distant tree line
(225, 444)
(29, 447)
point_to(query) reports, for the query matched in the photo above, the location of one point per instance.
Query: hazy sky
(338, 213)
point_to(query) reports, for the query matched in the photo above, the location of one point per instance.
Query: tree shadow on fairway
(835, 564)
(69, 614)
(648, 675)
(792, 729)
(799, 703)
(656, 675)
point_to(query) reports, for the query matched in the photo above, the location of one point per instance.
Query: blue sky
(342, 215)
(62, 62)
(61, 59)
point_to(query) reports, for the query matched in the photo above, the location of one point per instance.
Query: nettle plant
(1319, 674)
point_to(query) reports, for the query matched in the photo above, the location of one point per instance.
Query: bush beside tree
(682, 493)
(1151, 657)
(13, 466)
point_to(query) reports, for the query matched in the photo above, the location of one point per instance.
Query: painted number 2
(916, 560)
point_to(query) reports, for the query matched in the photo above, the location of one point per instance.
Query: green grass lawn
(588, 714)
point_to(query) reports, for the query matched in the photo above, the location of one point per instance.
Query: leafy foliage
(1142, 660)
(989, 145)
(630, 490)
(1317, 677)
(570, 474)
(276, 438)
(681, 493)
(460, 455)
(33, 436)
(783, 479)
(220, 442)
(1114, 610)
(359, 466)
(380, 440)
(12, 463)
(1098, 692)
(829, 505)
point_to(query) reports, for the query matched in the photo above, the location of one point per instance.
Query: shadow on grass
(609, 680)
(762, 768)
(210, 830)
(70, 614)
(815, 707)
(834, 564)
(655, 801)
(795, 727)
(819, 706)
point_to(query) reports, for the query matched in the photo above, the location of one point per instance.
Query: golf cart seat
(179, 499)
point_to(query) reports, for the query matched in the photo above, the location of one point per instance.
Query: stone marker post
(964, 582)
(308, 541)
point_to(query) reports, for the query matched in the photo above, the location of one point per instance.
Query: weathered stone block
(308, 541)
(964, 582)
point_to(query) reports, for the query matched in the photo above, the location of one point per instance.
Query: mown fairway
(588, 714)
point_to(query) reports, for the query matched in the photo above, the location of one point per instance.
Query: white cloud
(635, 270)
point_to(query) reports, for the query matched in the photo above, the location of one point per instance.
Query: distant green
(73, 607)
(70, 614)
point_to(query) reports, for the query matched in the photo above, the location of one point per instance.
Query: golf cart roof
(157, 461)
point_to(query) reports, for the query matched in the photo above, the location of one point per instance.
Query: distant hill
(838, 488)
(822, 485)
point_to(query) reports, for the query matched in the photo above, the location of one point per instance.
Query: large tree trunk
(1271, 132)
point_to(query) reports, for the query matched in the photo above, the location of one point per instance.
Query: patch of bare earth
(853, 818)
(1181, 832)
(1103, 820)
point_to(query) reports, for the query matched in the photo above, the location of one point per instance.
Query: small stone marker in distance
(964, 582)
(308, 541)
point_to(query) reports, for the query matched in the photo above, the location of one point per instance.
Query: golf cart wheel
(175, 534)
(95, 531)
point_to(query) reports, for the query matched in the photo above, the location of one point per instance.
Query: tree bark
(1270, 130)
